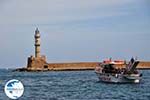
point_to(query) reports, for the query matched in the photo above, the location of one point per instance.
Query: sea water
(73, 85)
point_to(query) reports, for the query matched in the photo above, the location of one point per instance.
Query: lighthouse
(37, 62)
(37, 43)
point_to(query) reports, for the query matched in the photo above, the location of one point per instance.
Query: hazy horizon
(74, 31)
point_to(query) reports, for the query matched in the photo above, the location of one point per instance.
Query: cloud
(57, 11)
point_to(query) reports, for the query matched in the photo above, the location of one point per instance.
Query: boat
(108, 71)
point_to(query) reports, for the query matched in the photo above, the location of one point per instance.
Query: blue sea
(73, 85)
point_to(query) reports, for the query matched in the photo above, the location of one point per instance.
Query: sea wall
(73, 66)
(65, 66)
(144, 65)
(78, 66)
(40, 64)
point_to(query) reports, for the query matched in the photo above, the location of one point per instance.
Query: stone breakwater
(62, 66)
(75, 66)
(39, 62)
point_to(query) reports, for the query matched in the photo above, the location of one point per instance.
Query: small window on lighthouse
(45, 66)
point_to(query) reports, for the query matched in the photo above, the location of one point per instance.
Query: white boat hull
(117, 78)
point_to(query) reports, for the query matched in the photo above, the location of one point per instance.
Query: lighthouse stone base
(37, 63)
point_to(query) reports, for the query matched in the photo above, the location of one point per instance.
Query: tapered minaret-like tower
(37, 43)
(39, 61)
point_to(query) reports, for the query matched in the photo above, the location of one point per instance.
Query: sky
(74, 30)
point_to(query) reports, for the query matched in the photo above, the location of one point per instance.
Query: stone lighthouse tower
(39, 61)
(37, 43)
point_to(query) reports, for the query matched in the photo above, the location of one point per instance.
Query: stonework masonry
(39, 63)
